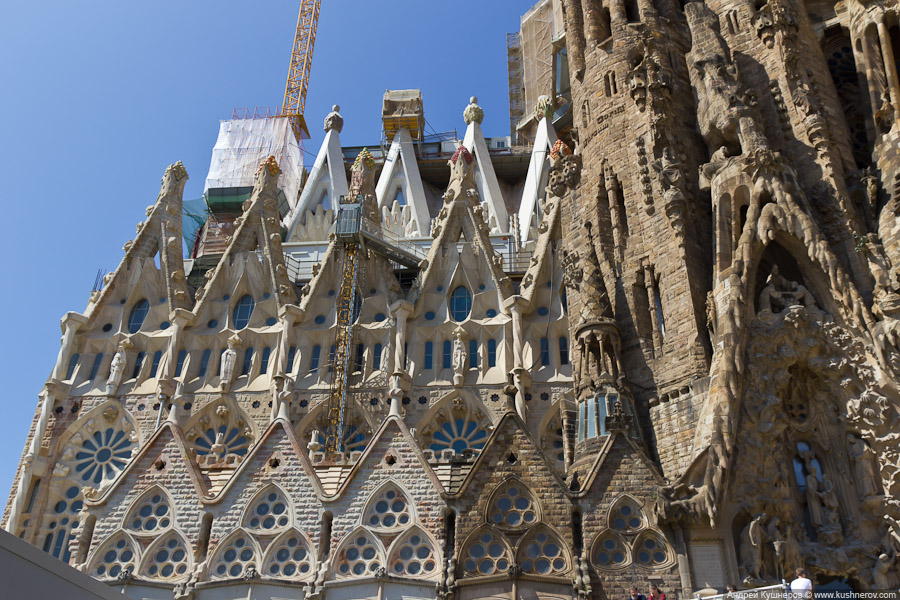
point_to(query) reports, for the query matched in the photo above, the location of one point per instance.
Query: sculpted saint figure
(116, 370)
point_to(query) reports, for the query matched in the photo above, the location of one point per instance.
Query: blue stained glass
(242, 311)
(292, 353)
(154, 367)
(460, 303)
(314, 361)
(473, 354)
(563, 350)
(72, 364)
(448, 348)
(429, 355)
(545, 352)
(248, 361)
(204, 362)
(137, 316)
(264, 361)
(492, 353)
(179, 365)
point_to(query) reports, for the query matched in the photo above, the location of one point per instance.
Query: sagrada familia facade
(660, 345)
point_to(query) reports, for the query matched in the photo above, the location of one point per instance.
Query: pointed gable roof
(168, 440)
(486, 179)
(161, 233)
(536, 178)
(461, 215)
(401, 161)
(257, 228)
(619, 452)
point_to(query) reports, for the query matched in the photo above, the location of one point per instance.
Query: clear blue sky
(99, 97)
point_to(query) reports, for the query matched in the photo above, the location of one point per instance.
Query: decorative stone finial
(461, 151)
(334, 120)
(544, 108)
(473, 112)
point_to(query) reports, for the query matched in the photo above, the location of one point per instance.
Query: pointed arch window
(269, 511)
(413, 555)
(114, 556)
(95, 368)
(264, 361)
(138, 363)
(138, 314)
(292, 354)
(235, 556)
(492, 353)
(545, 352)
(179, 364)
(242, 311)
(460, 303)
(248, 361)
(360, 555)
(154, 366)
(447, 352)
(610, 552)
(204, 362)
(473, 354)
(376, 357)
(151, 514)
(389, 509)
(563, 350)
(486, 554)
(429, 355)
(167, 559)
(513, 506)
(314, 360)
(626, 515)
(289, 557)
(651, 551)
(542, 553)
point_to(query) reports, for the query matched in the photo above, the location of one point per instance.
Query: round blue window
(266, 296)
(320, 319)
(107, 327)
(331, 292)
(429, 316)
(212, 323)
(242, 311)
(491, 313)
(460, 303)
(379, 317)
(543, 311)
(164, 325)
(481, 287)
(271, 321)
(137, 316)
(440, 288)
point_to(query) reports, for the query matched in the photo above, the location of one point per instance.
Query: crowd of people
(801, 589)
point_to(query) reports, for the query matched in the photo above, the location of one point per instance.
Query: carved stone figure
(229, 358)
(884, 116)
(864, 464)
(781, 293)
(884, 574)
(116, 371)
(459, 357)
(334, 120)
(751, 548)
(473, 112)
(813, 496)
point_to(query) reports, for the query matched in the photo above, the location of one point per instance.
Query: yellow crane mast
(301, 62)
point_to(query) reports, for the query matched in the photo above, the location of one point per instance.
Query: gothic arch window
(486, 552)
(269, 511)
(115, 555)
(138, 314)
(388, 509)
(151, 513)
(460, 304)
(61, 521)
(513, 506)
(626, 515)
(541, 552)
(651, 551)
(414, 554)
(234, 555)
(169, 558)
(242, 311)
(610, 551)
(359, 555)
(289, 557)
(357, 431)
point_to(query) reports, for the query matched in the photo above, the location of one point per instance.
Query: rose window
(222, 441)
(289, 557)
(168, 559)
(388, 510)
(513, 507)
(459, 434)
(543, 555)
(650, 551)
(487, 555)
(151, 514)
(626, 515)
(268, 512)
(610, 552)
(103, 455)
(113, 557)
(235, 557)
(358, 557)
(414, 556)
(354, 439)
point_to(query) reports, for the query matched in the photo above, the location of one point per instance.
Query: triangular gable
(160, 233)
(461, 215)
(256, 229)
(327, 174)
(536, 179)
(277, 438)
(512, 435)
(392, 437)
(167, 442)
(486, 179)
(620, 454)
(542, 258)
(401, 162)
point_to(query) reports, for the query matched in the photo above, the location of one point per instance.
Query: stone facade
(662, 346)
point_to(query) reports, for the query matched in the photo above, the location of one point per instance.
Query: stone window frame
(499, 490)
(258, 496)
(97, 558)
(224, 545)
(626, 548)
(626, 498)
(376, 496)
(400, 540)
(473, 538)
(275, 546)
(136, 504)
(148, 557)
(380, 557)
(556, 537)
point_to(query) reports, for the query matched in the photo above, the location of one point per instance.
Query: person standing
(655, 594)
(635, 594)
(802, 587)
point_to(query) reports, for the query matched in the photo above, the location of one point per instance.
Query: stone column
(615, 216)
(575, 36)
(592, 24)
(890, 67)
(522, 378)
(400, 379)
(649, 284)
(871, 69)
(69, 324)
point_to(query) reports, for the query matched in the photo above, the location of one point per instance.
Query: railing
(371, 229)
(769, 592)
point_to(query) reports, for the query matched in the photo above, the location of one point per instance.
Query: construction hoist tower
(301, 62)
(358, 235)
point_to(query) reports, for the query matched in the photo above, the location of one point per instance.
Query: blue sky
(98, 98)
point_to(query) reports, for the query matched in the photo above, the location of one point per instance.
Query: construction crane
(301, 62)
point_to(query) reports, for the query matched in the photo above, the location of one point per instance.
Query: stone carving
(725, 108)
(780, 294)
(864, 465)
(753, 537)
(473, 112)
(565, 170)
(648, 79)
(544, 108)
(116, 370)
(884, 573)
(884, 116)
(334, 120)
(362, 185)
(671, 179)
(459, 357)
(229, 358)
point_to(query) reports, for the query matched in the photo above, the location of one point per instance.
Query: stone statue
(884, 575)
(862, 459)
(473, 112)
(813, 499)
(116, 370)
(787, 550)
(781, 293)
(884, 116)
(832, 519)
(751, 547)
(459, 358)
(334, 120)
(229, 358)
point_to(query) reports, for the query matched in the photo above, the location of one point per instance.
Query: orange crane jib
(301, 63)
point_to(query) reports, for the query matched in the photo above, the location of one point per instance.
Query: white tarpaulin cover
(244, 143)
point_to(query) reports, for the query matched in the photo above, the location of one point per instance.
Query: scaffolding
(516, 83)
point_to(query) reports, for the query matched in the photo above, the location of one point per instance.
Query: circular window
(137, 316)
(164, 325)
(542, 311)
(491, 313)
(271, 321)
(107, 327)
(379, 317)
(242, 311)
(429, 316)
(212, 323)
(460, 303)
(320, 319)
